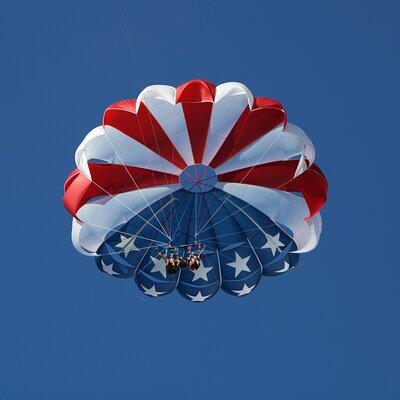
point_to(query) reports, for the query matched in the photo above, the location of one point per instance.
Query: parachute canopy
(196, 164)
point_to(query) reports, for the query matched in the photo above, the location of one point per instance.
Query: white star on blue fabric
(128, 244)
(108, 268)
(201, 272)
(240, 264)
(151, 291)
(273, 243)
(245, 290)
(159, 266)
(198, 297)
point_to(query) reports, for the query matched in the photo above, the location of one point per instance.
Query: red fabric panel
(263, 102)
(196, 91)
(110, 179)
(70, 178)
(279, 175)
(266, 115)
(142, 127)
(197, 98)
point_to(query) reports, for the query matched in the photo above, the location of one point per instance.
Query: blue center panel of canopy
(198, 178)
(241, 243)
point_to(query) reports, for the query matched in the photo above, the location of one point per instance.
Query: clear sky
(329, 329)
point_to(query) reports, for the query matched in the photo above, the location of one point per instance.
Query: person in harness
(193, 260)
(173, 263)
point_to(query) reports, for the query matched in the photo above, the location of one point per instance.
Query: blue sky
(328, 329)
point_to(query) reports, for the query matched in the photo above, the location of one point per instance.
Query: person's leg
(168, 267)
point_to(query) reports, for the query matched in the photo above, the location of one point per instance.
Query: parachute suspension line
(228, 216)
(188, 202)
(178, 227)
(234, 233)
(240, 134)
(218, 242)
(112, 253)
(140, 263)
(130, 209)
(247, 205)
(195, 214)
(162, 163)
(123, 233)
(147, 222)
(152, 240)
(170, 221)
(249, 217)
(146, 252)
(137, 187)
(130, 43)
(141, 260)
(187, 235)
(218, 278)
(116, 198)
(204, 244)
(116, 152)
(201, 194)
(201, 220)
(256, 163)
(139, 76)
(200, 205)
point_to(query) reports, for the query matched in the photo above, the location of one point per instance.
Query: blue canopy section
(240, 245)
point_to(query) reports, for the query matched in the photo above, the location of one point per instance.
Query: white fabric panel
(156, 92)
(230, 89)
(283, 208)
(231, 99)
(276, 145)
(160, 100)
(84, 166)
(104, 213)
(94, 136)
(76, 233)
(314, 234)
(112, 146)
(301, 166)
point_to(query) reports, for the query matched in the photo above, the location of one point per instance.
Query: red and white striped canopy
(146, 149)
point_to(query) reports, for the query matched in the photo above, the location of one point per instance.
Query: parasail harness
(178, 257)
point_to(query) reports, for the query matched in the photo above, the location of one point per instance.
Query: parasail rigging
(198, 172)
